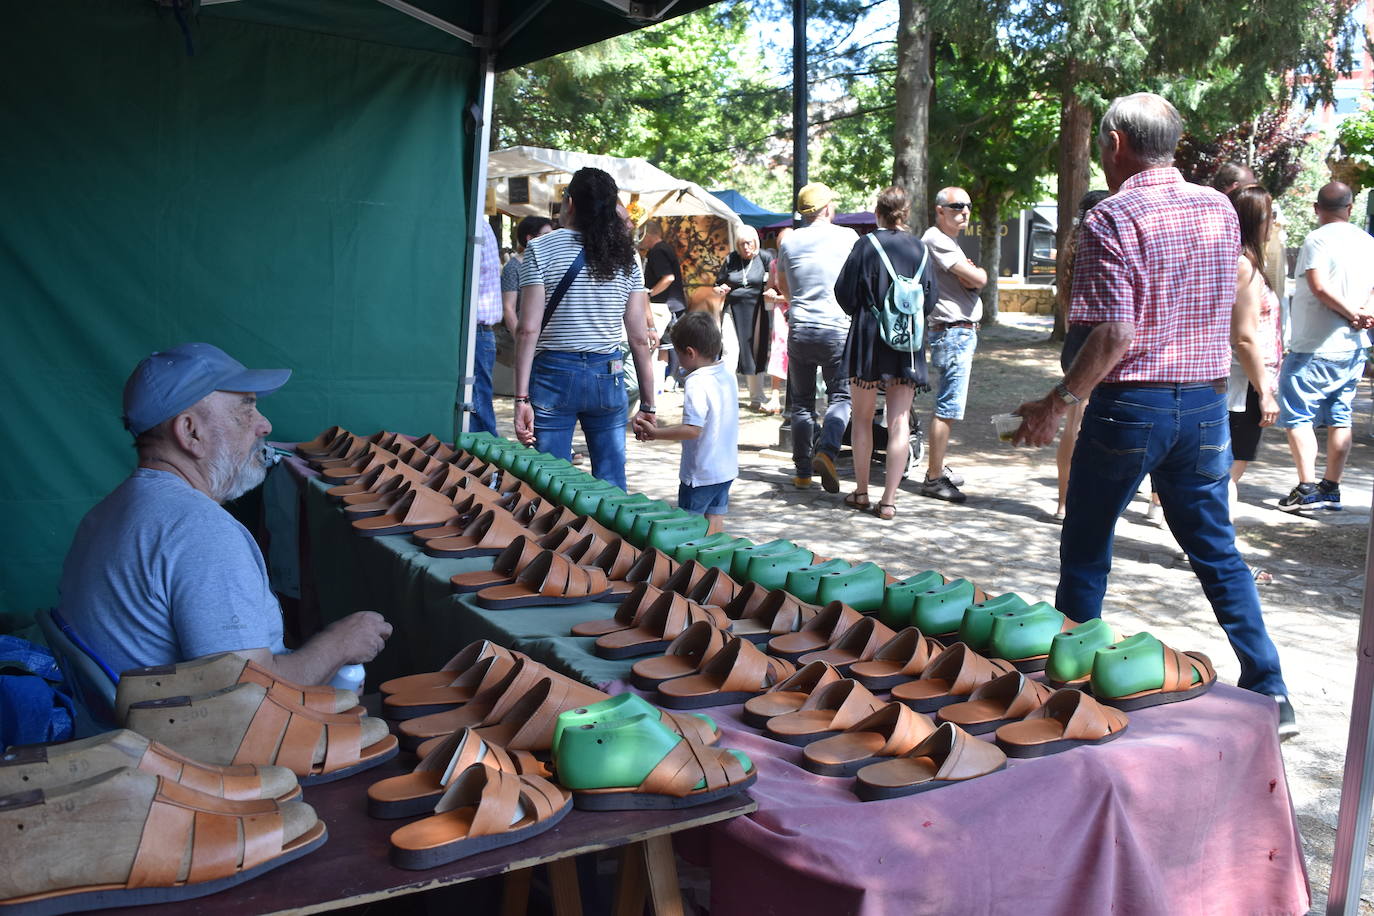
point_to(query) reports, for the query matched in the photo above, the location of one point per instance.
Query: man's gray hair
(944, 194)
(1149, 123)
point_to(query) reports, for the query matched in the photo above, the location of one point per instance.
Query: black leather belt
(944, 325)
(1217, 384)
(489, 327)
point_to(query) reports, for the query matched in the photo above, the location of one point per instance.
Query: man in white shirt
(1330, 313)
(953, 333)
(809, 261)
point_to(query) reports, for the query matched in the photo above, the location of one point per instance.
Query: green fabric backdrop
(296, 198)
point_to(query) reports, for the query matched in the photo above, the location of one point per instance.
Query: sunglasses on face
(957, 206)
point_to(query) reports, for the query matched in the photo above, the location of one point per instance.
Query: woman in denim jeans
(568, 362)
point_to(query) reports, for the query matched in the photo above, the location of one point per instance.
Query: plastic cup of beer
(1007, 424)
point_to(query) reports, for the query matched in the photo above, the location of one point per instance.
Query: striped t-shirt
(591, 317)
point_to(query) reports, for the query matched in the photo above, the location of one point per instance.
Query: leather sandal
(861, 587)
(149, 840)
(889, 731)
(734, 674)
(857, 644)
(215, 672)
(488, 536)
(321, 443)
(418, 791)
(716, 588)
(247, 724)
(803, 583)
(518, 554)
(685, 578)
(828, 709)
(424, 701)
(975, 627)
(902, 658)
(898, 599)
(418, 508)
(1023, 637)
(1067, 719)
(529, 723)
(859, 501)
(939, 610)
(949, 678)
(816, 633)
(699, 727)
(616, 560)
(1141, 671)
(1070, 662)
(481, 809)
(776, 615)
(948, 755)
(640, 598)
(658, 625)
(885, 511)
(653, 566)
(466, 658)
(789, 694)
(47, 766)
(993, 704)
(684, 655)
(551, 579)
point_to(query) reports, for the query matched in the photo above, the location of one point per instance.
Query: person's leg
(1302, 442)
(1338, 440)
(1122, 432)
(484, 357)
(801, 394)
(1063, 455)
(1192, 483)
(864, 398)
(756, 391)
(836, 392)
(719, 505)
(1299, 398)
(1338, 411)
(898, 413)
(552, 382)
(602, 414)
(729, 340)
(951, 352)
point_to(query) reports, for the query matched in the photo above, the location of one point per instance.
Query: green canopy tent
(296, 181)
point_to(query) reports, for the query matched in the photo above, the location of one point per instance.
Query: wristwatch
(1065, 395)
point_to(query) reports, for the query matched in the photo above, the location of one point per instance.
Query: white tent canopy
(659, 193)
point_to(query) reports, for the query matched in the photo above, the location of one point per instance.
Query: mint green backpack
(902, 318)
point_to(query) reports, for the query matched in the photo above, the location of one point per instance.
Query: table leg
(661, 868)
(629, 888)
(563, 887)
(515, 894)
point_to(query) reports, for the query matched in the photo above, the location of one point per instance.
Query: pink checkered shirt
(1161, 253)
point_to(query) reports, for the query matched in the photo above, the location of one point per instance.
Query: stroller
(916, 438)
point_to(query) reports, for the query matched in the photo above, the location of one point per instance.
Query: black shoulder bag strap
(561, 290)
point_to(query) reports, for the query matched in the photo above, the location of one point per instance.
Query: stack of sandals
(508, 746)
(198, 793)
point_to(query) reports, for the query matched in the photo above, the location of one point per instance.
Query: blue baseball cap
(166, 383)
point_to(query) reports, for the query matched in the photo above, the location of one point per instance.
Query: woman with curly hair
(581, 291)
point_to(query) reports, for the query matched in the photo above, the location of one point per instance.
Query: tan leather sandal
(215, 672)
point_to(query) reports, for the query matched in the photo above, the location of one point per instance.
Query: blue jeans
(567, 388)
(484, 357)
(951, 352)
(1181, 436)
(810, 348)
(711, 499)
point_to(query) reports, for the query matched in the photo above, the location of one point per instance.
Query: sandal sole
(866, 792)
(630, 800)
(1025, 751)
(643, 648)
(703, 700)
(368, 763)
(419, 859)
(537, 600)
(1156, 699)
(409, 807)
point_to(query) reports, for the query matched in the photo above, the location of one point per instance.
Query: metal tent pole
(800, 129)
(1357, 785)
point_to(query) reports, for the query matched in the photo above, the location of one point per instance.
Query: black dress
(744, 307)
(863, 282)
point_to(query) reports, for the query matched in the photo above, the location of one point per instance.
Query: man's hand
(721, 289)
(644, 425)
(1039, 421)
(653, 339)
(524, 422)
(1269, 409)
(359, 637)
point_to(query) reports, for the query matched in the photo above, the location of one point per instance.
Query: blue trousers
(1181, 436)
(484, 357)
(809, 348)
(568, 388)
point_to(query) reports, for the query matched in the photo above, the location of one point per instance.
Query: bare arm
(637, 333)
(509, 302)
(355, 639)
(1103, 349)
(1317, 283)
(526, 336)
(970, 275)
(1245, 337)
(676, 433)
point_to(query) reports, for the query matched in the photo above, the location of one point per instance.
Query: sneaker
(1288, 722)
(830, 481)
(1330, 494)
(1303, 497)
(801, 483)
(941, 488)
(954, 477)
(1155, 513)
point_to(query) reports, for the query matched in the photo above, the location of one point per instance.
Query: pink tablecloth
(1188, 812)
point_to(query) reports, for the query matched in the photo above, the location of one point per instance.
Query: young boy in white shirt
(709, 431)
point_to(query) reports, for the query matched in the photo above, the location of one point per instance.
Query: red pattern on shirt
(1161, 253)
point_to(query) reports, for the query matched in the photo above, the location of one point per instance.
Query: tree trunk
(1075, 155)
(912, 118)
(990, 252)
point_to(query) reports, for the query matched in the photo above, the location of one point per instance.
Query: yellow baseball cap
(813, 196)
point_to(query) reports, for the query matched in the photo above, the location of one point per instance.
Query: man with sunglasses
(953, 333)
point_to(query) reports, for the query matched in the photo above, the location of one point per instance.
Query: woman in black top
(871, 364)
(742, 280)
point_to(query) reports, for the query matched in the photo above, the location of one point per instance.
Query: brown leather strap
(653, 566)
(223, 836)
(690, 763)
(848, 699)
(617, 558)
(318, 699)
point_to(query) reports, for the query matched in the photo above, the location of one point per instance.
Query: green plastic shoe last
(722, 555)
(769, 570)
(975, 629)
(585, 500)
(669, 534)
(606, 512)
(899, 597)
(803, 583)
(739, 560)
(938, 611)
(624, 521)
(618, 754)
(624, 706)
(1027, 633)
(1132, 665)
(1071, 653)
(542, 478)
(561, 483)
(466, 441)
(639, 532)
(861, 587)
(523, 466)
(688, 550)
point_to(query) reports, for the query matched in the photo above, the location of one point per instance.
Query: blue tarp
(751, 213)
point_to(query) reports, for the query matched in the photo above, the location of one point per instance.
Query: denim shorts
(951, 352)
(1318, 391)
(712, 499)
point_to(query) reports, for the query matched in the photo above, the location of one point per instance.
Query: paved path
(1004, 539)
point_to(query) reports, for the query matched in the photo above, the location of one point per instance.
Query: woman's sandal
(859, 501)
(129, 837)
(886, 511)
(417, 792)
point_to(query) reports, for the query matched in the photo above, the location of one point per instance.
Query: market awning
(749, 212)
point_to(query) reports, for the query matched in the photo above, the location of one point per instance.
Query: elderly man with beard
(158, 571)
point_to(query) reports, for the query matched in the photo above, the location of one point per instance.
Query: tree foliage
(1270, 144)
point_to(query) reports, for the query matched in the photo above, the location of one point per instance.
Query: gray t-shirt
(1343, 256)
(953, 301)
(810, 260)
(510, 275)
(159, 573)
